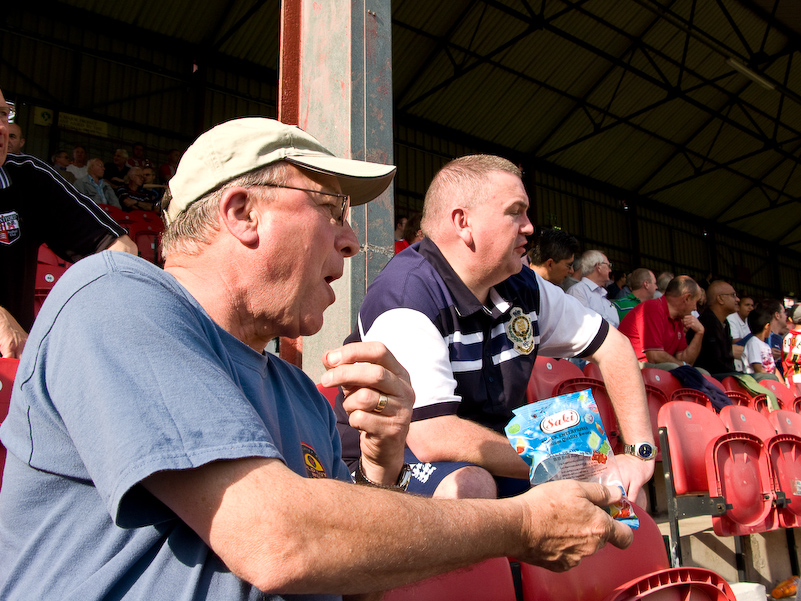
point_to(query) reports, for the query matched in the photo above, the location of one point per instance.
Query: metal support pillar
(336, 83)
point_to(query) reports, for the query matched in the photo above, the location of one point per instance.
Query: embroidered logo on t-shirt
(9, 228)
(520, 332)
(314, 469)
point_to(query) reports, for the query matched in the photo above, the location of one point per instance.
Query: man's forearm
(623, 382)
(450, 438)
(690, 354)
(661, 357)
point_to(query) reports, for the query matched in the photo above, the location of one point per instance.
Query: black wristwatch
(641, 450)
(401, 485)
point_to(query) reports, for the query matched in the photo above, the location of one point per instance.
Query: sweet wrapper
(564, 438)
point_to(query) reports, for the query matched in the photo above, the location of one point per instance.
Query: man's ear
(462, 226)
(238, 215)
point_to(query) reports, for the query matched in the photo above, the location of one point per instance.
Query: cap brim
(360, 180)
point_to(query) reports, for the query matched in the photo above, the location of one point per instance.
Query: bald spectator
(78, 167)
(590, 290)
(15, 139)
(552, 257)
(643, 287)
(716, 354)
(656, 327)
(662, 280)
(95, 187)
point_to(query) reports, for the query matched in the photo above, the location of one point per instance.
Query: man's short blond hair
(462, 182)
(196, 226)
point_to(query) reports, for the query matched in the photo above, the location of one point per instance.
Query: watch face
(645, 451)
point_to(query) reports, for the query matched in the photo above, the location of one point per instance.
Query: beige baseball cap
(242, 145)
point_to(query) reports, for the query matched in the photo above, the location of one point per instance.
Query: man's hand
(367, 371)
(124, 244)
(636, 473)
(564, 523)
(12, 336)
(691, 323)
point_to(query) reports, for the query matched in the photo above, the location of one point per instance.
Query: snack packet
(563, 438)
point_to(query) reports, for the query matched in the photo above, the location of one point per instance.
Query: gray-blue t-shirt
(124, 375)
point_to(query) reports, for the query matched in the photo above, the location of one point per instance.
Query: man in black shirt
(716, 355)
(37, 206)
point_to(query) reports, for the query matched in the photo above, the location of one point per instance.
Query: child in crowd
(791, 351)
(757, 356)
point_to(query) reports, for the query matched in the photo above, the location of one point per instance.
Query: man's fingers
(363, 352)
(621, 535)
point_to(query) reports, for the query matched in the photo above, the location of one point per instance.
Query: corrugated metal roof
(634, 93)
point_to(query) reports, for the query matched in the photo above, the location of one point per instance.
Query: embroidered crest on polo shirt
(520, 331)
(314, 469)
(9, 227)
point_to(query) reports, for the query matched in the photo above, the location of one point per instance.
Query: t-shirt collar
(5, 181)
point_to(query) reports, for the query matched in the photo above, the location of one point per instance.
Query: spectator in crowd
(411, 230)
(572, 280)
(133, 195)
(662, 280)
(758, 356)
(615, 289)
(117, 169)
(590, 290)
(466, 319)
(60, 161)
(78, 167)
(656, 327)
(643, 287)
(150, 183)
(778, 327)
(15, 139)
(739, 328)
(167, 170)
(210, 470)
(137, 158)
(400, 243)
(95, 187)
(37, 206)
(791, 352)
(716, 354)
(553, 255)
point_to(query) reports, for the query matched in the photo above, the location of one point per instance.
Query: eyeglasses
(606, 263)
(339, 213)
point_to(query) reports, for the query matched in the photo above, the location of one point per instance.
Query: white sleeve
(567, 328)
(421, 349)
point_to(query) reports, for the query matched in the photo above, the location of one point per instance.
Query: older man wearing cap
(165, 456)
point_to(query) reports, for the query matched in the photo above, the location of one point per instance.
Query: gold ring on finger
(382, 403)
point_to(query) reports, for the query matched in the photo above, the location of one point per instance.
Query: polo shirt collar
(464, 300)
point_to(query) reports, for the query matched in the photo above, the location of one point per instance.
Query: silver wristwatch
(641, 450)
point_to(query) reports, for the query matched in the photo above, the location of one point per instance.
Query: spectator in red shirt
(656, 327)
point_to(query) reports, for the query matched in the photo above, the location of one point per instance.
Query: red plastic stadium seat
(783, 394)
(742, 396)
(675, 584)
(46, 278)
(786, 422)
(8, 369)
(600, 574)
(489, 580)
(591, 370)
(547, 375)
